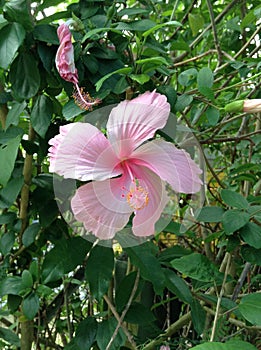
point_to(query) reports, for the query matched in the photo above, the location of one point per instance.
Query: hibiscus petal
(101, 207)
(82, 152)
(171, 164)
(146, 218)
(133, 122)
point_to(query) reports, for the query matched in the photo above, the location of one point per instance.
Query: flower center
(137, 197)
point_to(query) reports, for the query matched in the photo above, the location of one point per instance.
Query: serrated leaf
(198, 267)
(234, 199)
(99, 270)
(250, 308)
(233, 220)
(251, 234)
(251, 254)
(210, 214)
(11, 38)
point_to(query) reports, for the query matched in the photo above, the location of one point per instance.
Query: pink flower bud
(252, 106)
(65, 55)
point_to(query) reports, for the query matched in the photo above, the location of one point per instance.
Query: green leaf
(25, 76)
(142, 256)
(234, 199)
(159, 26)
(155, 60)
(212, 115)
(42, 114)
(27, 279)
(251, 234)
(231, 345)
(71, 110)
(30, 233)
(14, 113)
(10, 337)
(250, 308)
(46, 33)
(251, 254)
(196, 23)
(99, 270)
(198, 267)
(9, 193)
(30, 305)
(139, 314)
(66, 255)
(11, 38)
(210, 214)
(198, 315)
(124, 71)
(205, 77)
(183, 101)
(124, 291)
(8, 155)
(187, 77)
(177, 286)
(19, 11)
(105, 332)
(11, 285)
(140, 78)
(6, 242)
(86, 333)
(233, 220)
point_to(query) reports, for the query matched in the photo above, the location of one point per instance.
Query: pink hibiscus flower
(65, 65)
(126, 174)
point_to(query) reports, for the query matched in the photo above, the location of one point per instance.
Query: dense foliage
(197, 287)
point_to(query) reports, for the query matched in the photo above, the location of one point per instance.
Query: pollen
(137, 197)
(83, 99)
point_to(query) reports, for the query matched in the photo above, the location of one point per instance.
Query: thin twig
(220, 298)
(117, 316)
(241, 281)
(120, 321)
(213, 24)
